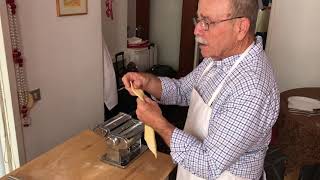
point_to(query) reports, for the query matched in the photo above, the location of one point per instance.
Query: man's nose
(197, 30)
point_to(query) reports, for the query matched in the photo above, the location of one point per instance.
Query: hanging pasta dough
(149, 135)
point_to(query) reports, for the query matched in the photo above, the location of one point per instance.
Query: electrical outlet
(36, 94)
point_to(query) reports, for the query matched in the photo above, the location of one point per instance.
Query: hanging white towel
(262, 22)
(109, 85)
(260, 4)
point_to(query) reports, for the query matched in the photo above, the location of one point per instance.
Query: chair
(120, 68)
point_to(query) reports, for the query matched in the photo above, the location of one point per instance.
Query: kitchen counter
(79, 158)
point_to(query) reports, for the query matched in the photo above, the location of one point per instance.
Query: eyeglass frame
(206, 24)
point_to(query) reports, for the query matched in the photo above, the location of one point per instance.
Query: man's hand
(144, 81)
(138, 80)
(150, 113)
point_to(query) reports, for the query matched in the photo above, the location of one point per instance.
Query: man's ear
(242, 28)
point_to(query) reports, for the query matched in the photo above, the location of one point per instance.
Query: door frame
(13, 121)
(187, 42)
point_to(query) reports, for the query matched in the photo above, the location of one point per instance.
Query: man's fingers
(149, 100)
(133, 77)
(126, 80)
(137, 84)
(139, 103)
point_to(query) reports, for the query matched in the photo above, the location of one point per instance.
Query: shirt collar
(229, 61)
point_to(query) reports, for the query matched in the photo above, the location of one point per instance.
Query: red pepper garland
(18, 63)
(109, 11)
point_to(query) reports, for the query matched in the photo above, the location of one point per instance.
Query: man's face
(219, 39)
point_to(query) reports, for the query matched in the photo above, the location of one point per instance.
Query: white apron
(197, 122)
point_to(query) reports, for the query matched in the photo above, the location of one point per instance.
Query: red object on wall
(22, 87)
(109, 11)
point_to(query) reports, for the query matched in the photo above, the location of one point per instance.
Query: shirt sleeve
(232, 132)
(175, 91)
(178, 91)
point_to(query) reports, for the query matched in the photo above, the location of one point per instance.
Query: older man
(232, 96)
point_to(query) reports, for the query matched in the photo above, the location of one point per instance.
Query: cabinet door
(142, 19)
(189, 10)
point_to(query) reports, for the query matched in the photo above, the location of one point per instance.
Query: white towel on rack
(109, 84)
(262, 22)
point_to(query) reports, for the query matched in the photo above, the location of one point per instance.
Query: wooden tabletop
(79, 158)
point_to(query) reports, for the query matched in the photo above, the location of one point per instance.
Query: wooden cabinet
(142, 18)
(187, 42)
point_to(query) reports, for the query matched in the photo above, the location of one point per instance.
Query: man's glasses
(205, 24)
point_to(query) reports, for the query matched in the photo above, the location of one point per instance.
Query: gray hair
(248, 9)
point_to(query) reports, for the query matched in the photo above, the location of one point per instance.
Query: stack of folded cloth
(135, 42)
(304, 106)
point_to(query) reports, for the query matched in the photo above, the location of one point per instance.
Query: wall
(165, 29)
(293, 43)
(115, 31)
(63, 58)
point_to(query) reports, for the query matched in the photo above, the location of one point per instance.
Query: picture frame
(72, 7)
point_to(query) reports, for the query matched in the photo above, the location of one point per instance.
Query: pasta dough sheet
(149, 135)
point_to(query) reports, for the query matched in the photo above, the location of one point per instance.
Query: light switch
(36, 94)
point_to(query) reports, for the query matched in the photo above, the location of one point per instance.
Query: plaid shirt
(241, 121)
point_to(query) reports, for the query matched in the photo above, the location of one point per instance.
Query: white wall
(115, 31)
(165, 30)
(63, 58)
(293, 43)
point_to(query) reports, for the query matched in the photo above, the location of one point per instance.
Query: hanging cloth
(110, 92)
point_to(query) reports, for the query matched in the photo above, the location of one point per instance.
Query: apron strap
(217, 91)
(207, 69)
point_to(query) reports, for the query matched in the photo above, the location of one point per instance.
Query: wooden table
(79, 158)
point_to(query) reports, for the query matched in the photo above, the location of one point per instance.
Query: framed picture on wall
(72, 7)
